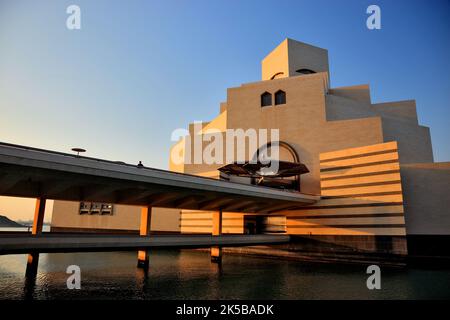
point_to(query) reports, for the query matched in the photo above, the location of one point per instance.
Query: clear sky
(137, 70)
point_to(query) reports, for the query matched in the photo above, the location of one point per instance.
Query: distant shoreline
(5, 222)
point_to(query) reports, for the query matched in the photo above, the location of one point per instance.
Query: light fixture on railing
(78, 150)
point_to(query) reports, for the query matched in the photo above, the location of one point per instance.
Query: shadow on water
(189, 274)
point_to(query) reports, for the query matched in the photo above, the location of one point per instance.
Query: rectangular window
(96, 208)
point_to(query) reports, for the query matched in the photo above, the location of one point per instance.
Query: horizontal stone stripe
(364, 170)
(360, 175)
(350, 196)
(355, 226)
(385, 209)
(187, 211)
(365, 190)
(207, 232)
(208, 214)
(209, 223)
(360, 160)
(342, 231)
(361, 180)
(328, 169)
(208, 227)
(209, 219)
(355, 205)
(373, 153)
(369, 184)
(197, 218)
(196, 215)
(195, 227)
(194, 230)
(195, 212)
(327, 221)
(196, 223)
(347, 216)
(358, 150)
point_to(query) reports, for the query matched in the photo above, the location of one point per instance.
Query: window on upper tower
(280, 97)
(305, 71)
(266, 99)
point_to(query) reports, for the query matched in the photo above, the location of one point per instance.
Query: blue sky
(137, 70)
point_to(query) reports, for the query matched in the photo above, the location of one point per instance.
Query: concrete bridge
(36, 173)
(14, 244)
(43, 174)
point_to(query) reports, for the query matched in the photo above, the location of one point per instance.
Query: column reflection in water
(30, 275)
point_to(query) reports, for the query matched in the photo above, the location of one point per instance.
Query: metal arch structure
(288, 147)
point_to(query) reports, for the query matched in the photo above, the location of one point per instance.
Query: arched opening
(305, 71)
(266, 99)
(280, 97)
(277, 75)
(279, 168)
(286, 154)
(282, 145)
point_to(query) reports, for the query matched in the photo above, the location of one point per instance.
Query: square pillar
(216, 252)
(39, 212)
(144, 231)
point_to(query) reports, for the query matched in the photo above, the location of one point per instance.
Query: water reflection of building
(372, 163)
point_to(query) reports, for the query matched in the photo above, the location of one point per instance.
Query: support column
(144, 231)
(38, 221)
(216, 252)
(33, 258)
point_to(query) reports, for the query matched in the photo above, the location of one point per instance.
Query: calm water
(189, 274)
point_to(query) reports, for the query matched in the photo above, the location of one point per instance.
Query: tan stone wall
(359, 93)
(361, 195)
(192, 221)
(398, 110)
(276, 62)
(426, 189)
(399, 120)
(414, 142)
(343, 107)
(290, 56)
(306, 56)
(66, 215)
